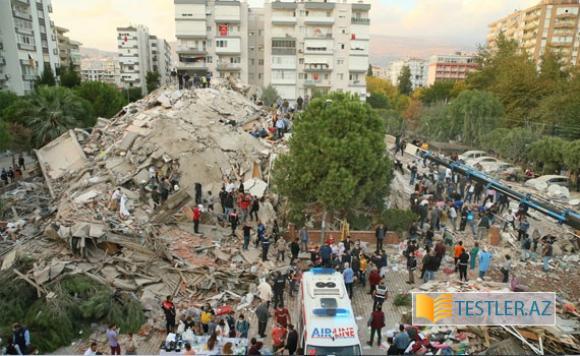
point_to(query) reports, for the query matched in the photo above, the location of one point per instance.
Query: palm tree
(52, 111)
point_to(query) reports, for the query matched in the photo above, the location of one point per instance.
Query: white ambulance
(326, 325)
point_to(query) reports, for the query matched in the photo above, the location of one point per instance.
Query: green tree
(404, 80)
(47, 77)
(572, 161)
(337, 157)
(548, 154)
(394, 122)
(69, 77)
(269, 95)
(106, 99)
(153, 80)
(436, 123)
(7, 98)
(51, 111)
(474, 113)
(370, 71)
(133, 94)
(5, 137)
(440, 91)
(512, 144)
(378, 101)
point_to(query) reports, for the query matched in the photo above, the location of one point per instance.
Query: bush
(398, 220)
(402, 300)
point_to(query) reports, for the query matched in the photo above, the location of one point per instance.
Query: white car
(482, 160)
(467, 155)
(546, 181)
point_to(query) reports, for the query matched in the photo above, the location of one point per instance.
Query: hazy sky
(94, 22)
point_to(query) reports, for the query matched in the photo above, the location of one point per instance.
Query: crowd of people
(14, 172)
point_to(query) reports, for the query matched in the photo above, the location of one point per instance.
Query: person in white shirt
(92, 350)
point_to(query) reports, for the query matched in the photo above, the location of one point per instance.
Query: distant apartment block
(419, 71)
(552, 24)
(139, 53)
(212, 38)
(101, 70)
(316, 46)
(68, 50)
(450, 67)
(256, 47)
(380, 72)
(28, 43)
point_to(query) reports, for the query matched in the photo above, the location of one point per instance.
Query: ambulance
(326, 324)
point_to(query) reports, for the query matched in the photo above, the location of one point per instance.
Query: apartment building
(212, 38)
(419, 71)
(160, 54)
(380, 72)
(68, 50)
(139, 53)
(551, 24)
(28, 43)
(316, 46)
(105, 70)
(256, 47)
(450, 67)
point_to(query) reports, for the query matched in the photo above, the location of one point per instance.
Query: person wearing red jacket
(169, 310)
(374, 279)
(376, 322)
(196, 216)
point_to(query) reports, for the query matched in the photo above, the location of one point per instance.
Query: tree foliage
(106, 99)
(548, 154)
(440, 91)
(51, 111)
(378, 101)
(337, 157)
(269, 95)
(69, 77)
(394, 122)
(397, 101)
(404, 81)
(153, 81)
(5, 137)
(512, 144)
(47, 78)
(370, 71)
(473, 114)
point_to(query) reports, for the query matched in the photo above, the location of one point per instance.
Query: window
(221, 43)
(260, 62)
(328, 13)
(300, 75)
(259, 75)
(208, 28)
(339, 61)
(209, 59)
(252, 61)
(251, 34)
(301, 60)
(186, 15)
(342, 46)
(340, 76)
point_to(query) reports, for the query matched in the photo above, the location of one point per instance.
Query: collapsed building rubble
(196, 139)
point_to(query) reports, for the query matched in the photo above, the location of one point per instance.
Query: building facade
(28, 43)
(316, 46)
(139, 53)
(69, 51)
(419, 71)
(451, 67)
(212, 38)
(380, 72)
(552, 24)
(101, 70)
(256, 47)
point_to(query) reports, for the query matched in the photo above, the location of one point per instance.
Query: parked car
(481, 160)
(546, 181)
(467, 155)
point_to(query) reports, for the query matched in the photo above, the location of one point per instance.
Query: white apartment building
(69, 51)
(101, 70)
(28, 43)
(212, 38)
(316, 46)
(139, 53)
(419, 71)
(160, 54)
(256, 47)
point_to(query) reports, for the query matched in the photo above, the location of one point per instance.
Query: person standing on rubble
(4, 176)
(254, 208)
(506, 268)
(170, 313)
(242, 327)
(262, 314)
(223, 197)
(462, 265)
(457, 251)
(265, 247)
(280, 249)
(279, 286)
(234, 221)
(261, 231)
(265, 291)
(484, 262)
(112, 338)
(164, 188)
(526, 245)
(411, 261)
(294, 249)
(247, 231)
(196, 217)
(304, 238)
(473, 255)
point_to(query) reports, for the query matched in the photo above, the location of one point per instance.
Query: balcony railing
(359, 21)
(24, 2)
(316, 83)
(29, 76)
(192, 65)
(21, 15)
(26, 47)
(25, 31)
(318, 20)
(283, 19)
(284, 51)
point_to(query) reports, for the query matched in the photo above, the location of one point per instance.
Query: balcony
(25, 31)
(360, 21)
(192, 65)
(21, 15)
(357, 83)
(23, 2)
(26, 47)
(317, 68)
(323, 36)
(317, 83)
(29, 77)
(2, 61)
(319, 20)
(565, 24)
(284, 51)
(229, 66)
(283, 20)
